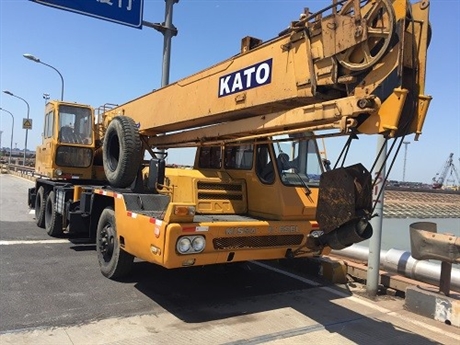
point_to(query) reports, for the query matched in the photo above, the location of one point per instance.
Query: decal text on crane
(245, 79)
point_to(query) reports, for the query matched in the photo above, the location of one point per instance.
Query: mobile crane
(258, 188)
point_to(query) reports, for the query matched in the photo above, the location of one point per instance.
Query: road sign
(26, 123)
(127, 12)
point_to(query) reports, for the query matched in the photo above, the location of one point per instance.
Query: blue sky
(104, 62)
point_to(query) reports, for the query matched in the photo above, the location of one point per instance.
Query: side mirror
(157, 169)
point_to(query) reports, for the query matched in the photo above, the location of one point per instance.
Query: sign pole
(375, 242)
(169, 31)
(168, 35)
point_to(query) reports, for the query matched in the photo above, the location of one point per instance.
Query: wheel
(40, 202)
(122, 151)
(380, 20)
(53, 220)
(114, 262)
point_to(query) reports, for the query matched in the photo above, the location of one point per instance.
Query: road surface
(53, 293)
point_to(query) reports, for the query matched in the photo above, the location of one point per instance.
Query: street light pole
(46, 97)
(405, 159)
(12, 130)
(37, 60)
(28, 111)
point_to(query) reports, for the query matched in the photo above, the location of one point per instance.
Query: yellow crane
(258, 188)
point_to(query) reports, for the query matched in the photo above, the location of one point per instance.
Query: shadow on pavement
(202, 294)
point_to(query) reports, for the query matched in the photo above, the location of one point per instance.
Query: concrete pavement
(328, 315)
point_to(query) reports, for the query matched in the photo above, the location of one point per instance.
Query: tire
(122, 152)
(114, 262)
(53, 220)
(40, 202)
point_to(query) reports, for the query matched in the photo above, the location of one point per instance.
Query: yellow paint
(308, 90)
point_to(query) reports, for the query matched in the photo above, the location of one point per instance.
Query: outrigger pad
(345, 194)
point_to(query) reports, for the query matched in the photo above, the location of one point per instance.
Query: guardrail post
(444, 281)
(428, 244)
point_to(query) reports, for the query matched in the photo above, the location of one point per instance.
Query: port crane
(440, 178)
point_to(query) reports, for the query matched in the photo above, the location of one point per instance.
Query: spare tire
(122, 151)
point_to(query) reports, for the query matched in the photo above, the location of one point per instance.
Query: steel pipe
(401, 262)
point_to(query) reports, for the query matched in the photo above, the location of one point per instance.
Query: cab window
(298, 160)
(210, 157)
(238, 157)
(265, 169)
(49, 125)
(75, 125)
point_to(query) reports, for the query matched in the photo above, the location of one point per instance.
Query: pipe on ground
(401, 262)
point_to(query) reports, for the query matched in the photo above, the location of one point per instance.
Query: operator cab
(68, 141)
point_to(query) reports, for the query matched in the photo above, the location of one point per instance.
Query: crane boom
(312, 76)
(455, 172)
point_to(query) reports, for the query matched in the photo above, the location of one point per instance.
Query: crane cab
(68, 142)
(244, 177)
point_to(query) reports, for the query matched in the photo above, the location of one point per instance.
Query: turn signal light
(184, 210)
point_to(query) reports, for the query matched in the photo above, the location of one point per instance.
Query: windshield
(298, 160)
(75, 125)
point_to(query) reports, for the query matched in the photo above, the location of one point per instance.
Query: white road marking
(8, 243)
(304, 280)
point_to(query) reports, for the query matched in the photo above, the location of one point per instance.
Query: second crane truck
(258, 188)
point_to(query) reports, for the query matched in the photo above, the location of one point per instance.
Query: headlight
(190, 244)
(58, 172)
(183, 245)
(198, 243)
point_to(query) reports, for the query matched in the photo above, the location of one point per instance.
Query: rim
(113, 152)
(106, 242)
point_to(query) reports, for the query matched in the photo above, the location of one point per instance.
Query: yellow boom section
(354, 66)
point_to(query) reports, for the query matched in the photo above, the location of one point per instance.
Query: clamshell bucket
(344, 206)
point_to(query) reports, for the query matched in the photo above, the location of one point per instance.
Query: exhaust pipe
(344, 236)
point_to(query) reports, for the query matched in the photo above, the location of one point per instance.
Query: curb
(433, 305)
(27, 176)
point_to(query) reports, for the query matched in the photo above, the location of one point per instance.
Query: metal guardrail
(428, 244)
(21, 170)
